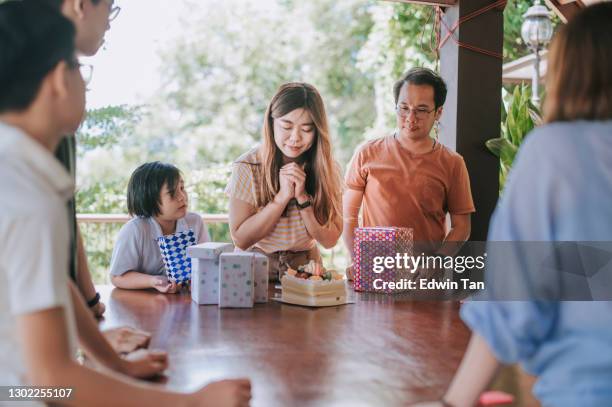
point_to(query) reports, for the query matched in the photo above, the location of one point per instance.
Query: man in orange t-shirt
(409, 179)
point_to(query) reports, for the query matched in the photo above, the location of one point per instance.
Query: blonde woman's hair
(323, 180)
(579, 77)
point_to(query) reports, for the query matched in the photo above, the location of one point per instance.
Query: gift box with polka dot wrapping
(236, 280)
(371, 242)
(205, 271)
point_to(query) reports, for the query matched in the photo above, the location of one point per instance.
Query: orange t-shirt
(404, 189)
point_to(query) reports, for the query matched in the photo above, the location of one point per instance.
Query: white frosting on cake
(313, 292)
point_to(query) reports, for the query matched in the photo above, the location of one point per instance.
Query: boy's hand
(98, 309)
(162, 285)
(226, 393)
(145, 364)
(126, 339)
(173, 288)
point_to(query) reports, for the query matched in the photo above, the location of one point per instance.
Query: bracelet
(94, 301)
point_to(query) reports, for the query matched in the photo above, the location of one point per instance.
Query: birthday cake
(311, 285)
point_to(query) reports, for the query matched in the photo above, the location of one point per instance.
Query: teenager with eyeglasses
(42, 314)
(91, 19)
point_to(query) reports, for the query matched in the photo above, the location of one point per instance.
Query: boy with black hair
(41, 312)
(158, 202)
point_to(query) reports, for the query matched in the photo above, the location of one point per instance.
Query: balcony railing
(92, 218)
(100, 231)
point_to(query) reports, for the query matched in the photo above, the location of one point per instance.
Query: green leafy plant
(108, 125)
(518, 120)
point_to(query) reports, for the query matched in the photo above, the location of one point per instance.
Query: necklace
(433, 147)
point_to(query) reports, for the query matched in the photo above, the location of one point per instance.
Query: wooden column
(472, 111)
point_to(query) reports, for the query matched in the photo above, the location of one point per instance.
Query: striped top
(290, 232)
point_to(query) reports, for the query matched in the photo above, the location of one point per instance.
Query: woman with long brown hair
(285, 195)
(560, 190)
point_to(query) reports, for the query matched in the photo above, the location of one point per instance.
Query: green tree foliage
(517, 121)
(513, 19)
(241, 51)
(219, 75)
(108, 126)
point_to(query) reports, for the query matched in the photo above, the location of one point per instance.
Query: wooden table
(376, 352)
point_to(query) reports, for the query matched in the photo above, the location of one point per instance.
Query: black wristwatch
(94, 301)
(304, 205)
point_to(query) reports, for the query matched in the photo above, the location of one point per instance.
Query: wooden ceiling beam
(565, 9)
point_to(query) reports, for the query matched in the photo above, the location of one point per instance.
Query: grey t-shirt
(136, 248)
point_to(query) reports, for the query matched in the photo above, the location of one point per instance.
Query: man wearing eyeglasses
(91, 19)
(409, 179)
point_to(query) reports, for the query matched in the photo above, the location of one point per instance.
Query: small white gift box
(243, 279)
(261, 269)
(205, 271)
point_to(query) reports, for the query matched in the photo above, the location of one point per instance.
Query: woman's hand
(287, 188)
(350, 272)
(297, 175)
(145, 364)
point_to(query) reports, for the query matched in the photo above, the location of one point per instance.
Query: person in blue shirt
(560, 190)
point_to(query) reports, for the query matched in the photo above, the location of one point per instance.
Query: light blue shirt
(560, 189)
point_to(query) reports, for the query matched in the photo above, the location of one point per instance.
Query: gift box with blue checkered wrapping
(205, 271)
(174, 253)
(237, 278)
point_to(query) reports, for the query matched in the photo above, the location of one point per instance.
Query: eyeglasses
(113, 11)
(86, 72)
(420, 113)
